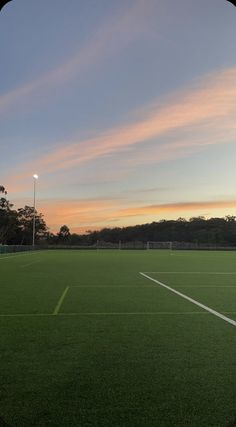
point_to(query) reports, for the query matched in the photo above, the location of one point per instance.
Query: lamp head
(35, 176)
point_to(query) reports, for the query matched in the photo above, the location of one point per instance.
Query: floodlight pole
(33, 237)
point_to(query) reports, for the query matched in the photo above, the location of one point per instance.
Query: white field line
(112, 286)
(205, 286)
(27, 265)
(158, 313)
(142, 313)
(203, 254)
(188, 272)
(27, 315)
(2, 257)
(193, 301)
(59, 304)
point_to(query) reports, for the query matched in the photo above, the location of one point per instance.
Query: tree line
(16, 227)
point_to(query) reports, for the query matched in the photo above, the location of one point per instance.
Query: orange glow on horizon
(94, 214)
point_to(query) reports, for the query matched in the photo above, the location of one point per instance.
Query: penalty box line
(189, 272)
(193, 301)
(160, 313)
(64, 293)
(60, 301)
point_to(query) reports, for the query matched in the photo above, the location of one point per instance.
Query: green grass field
(86, 340)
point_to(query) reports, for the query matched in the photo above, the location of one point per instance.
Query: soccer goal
(159, 245)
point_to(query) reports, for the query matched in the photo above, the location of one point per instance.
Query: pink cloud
(210, 105)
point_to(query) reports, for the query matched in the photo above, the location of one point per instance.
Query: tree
(64, 234)
(8, 218)
(233, 2)
(25, 218)
(3, 3)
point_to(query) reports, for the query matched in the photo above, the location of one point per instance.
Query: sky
(126, 110)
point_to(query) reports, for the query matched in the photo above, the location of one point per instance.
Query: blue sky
(126, 110)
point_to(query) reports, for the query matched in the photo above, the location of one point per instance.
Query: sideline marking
(27, 315)
(193, 301)
(2, 257)
(27, 265)
(59, 304)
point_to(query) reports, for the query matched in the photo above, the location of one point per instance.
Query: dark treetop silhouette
(3, 2)
(232, 1)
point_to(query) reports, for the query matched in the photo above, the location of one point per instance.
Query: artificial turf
(121, 350)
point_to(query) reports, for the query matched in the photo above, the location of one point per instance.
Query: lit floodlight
(35, 176)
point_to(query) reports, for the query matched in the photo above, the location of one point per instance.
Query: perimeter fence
(133, 245)
(149, 245)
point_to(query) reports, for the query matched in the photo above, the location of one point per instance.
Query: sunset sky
(125, 109)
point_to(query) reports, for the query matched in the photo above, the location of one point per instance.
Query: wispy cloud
(204, 112)
(124, 27)
(146, 190)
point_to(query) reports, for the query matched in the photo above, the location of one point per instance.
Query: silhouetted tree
(233, 2)
(64, 234)
(3, 3)
(25, 217)
(8, 217)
